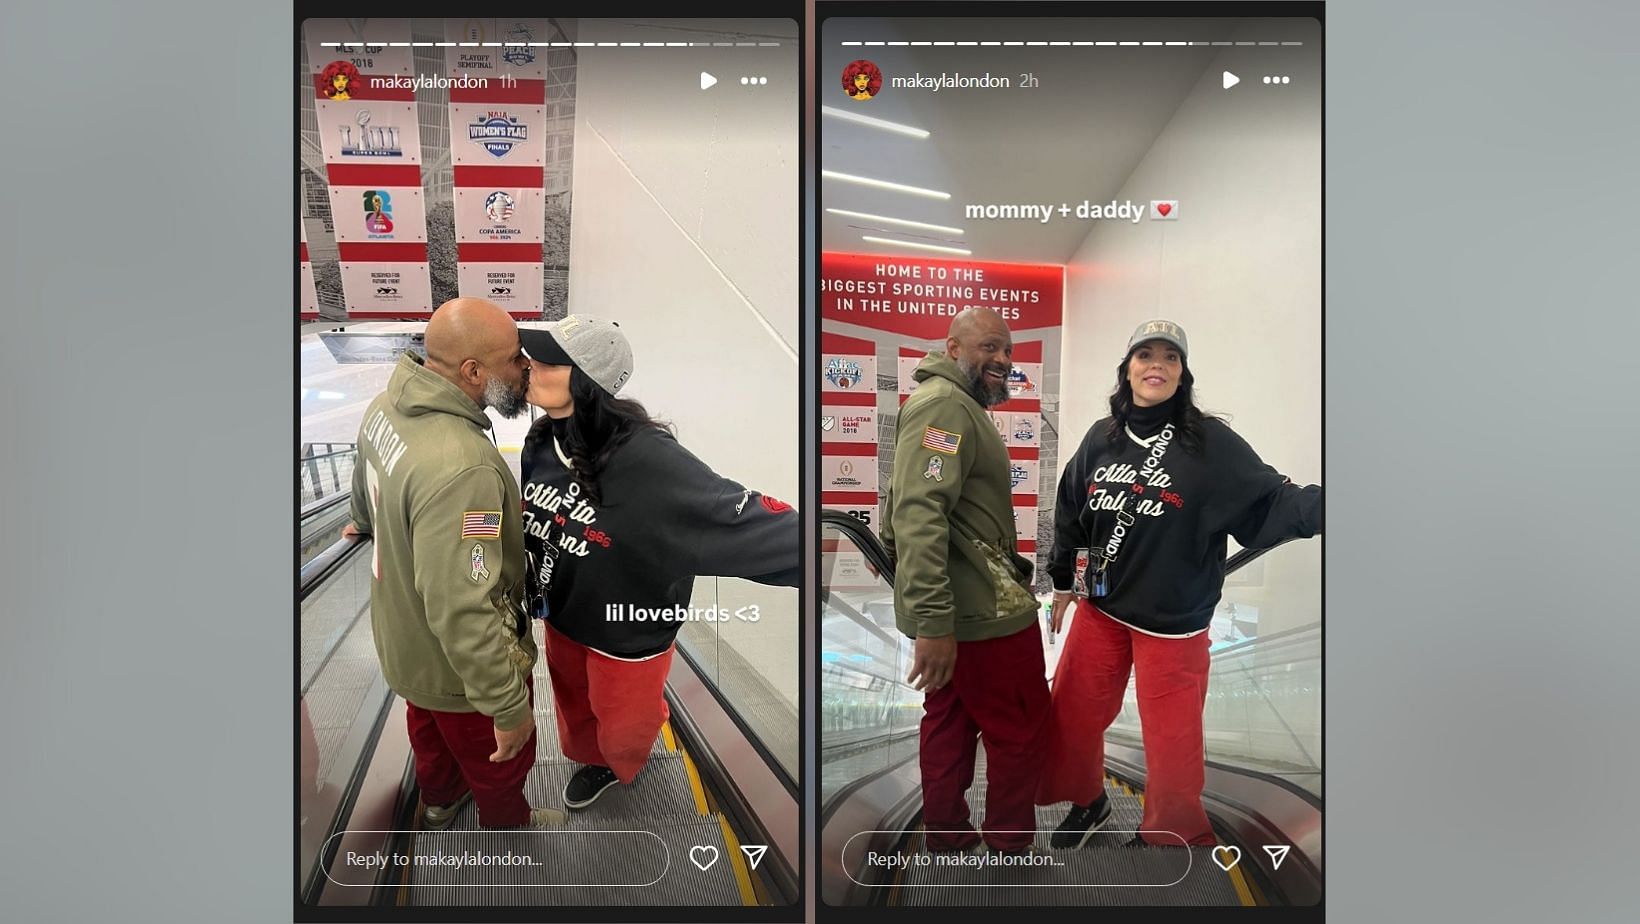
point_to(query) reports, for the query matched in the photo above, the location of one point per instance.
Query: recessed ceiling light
(935, 247)
(885, 184)
(896, 221)
(866, 120)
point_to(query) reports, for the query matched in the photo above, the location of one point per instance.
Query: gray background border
(1480, 690)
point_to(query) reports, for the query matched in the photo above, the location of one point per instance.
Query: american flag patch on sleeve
(481, 524)
(940, 441)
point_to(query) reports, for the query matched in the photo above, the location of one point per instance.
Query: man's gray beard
(507, 403)
(976, 385)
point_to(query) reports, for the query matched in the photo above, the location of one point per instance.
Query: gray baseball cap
(1160, 330)
(593, 345)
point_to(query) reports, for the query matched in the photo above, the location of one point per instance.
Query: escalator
(1262, 732)
(674, 837)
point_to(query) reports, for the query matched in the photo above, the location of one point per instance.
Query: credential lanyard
(1102, 559)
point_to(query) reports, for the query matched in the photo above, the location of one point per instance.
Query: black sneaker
(587, 785)
(1080, 824)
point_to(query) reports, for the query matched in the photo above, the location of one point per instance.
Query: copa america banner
(365, 105)
(880, 316)
(307, 295)
(498, 91)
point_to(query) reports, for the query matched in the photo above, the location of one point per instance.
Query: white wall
(1240, 270)
(684, 228)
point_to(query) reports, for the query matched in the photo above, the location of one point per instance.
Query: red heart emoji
(1164, 208)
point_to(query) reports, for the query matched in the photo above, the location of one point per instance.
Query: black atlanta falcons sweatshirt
(665, 518)
(1167, 521)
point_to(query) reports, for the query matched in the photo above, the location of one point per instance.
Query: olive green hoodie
(446, 598)
(948, 519)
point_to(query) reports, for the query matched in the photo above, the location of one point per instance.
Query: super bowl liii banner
(498, 127)
(365, 105)
(880, 315)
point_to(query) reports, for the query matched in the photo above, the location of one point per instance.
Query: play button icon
(707, 81)
(1230, 80)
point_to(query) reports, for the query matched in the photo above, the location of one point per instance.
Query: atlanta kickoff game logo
(843, 373)
(497, 132)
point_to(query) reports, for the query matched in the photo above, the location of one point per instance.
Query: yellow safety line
(695, 784)
(666, 737)
(743, 876)
(1239, 880)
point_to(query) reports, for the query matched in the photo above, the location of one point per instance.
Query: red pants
(1088, 686)
(997, 691)
(609, 711)
(453, 755)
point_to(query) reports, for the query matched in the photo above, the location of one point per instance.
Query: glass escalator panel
(868, 715)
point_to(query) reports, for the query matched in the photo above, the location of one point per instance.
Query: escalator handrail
(864, 538)
(318, 570)
(322, 504)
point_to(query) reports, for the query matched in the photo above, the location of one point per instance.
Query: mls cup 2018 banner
(372, 149)
(498, 131)
(880, 316)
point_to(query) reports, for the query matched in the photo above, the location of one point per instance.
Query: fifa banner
(879, 317)
(307, 296)
(366, 109)
(498, 94)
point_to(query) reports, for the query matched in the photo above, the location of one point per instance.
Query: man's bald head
(474, 344)
(982, 347)
(976, 322)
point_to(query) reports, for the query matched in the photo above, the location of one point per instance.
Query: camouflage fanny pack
(1010, 575)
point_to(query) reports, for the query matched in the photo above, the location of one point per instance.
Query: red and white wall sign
(887, 313)
(366, 110)
(307, 296)
(498, 134)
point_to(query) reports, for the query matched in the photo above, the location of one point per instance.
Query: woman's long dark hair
(600, 425)
(1187, 417)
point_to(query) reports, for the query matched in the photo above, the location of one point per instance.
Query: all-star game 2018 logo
(497, 132)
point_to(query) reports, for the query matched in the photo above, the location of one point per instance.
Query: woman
(1142, 514)
(618, 517)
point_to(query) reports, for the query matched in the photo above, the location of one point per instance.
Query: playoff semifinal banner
(366, 110)
(498, 128)
(884, 314)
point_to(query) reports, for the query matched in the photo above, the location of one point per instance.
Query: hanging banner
(364, 100)
(894, 311)
(307, 295)
(498, 131)
(386, 290)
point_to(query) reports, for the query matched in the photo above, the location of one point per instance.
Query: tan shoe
(439, 817)
(547, 818)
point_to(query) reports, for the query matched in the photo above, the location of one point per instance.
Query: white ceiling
(1078, 135)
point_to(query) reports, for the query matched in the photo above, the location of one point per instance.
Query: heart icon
(1164, 208)
(703, 856)
(1226, 857)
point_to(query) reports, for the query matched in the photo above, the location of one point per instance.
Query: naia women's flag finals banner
(365, 102)
(498, 130)
(879, 316)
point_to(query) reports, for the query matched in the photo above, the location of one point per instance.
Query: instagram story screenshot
(1070, 443)
(549, 555)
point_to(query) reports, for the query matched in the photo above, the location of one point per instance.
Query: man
(447, 589)
(962, 591)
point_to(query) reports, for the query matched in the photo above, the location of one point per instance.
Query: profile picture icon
(339, 80)
(862, 80)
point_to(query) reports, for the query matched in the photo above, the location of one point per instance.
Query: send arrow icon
(754, 853)
(1277, 852)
